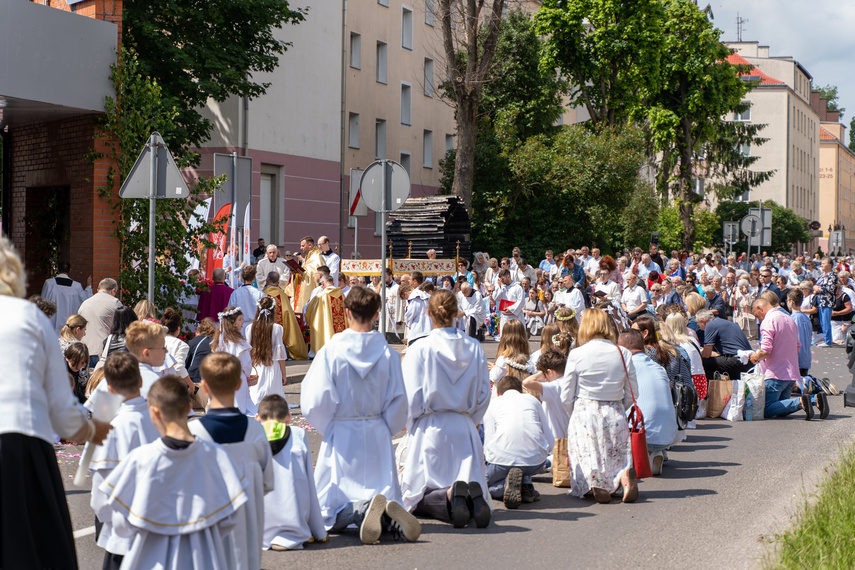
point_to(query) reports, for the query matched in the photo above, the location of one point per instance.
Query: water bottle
(749, 407)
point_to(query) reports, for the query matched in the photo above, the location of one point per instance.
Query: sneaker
(823, 345)
(822, 404)
(459, 508)
(513, 494)
(402, 522)
(656, 463)
(529, 494)
(372, 524)
(479, 507)
(807, 406)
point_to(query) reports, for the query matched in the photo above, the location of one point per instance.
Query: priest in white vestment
(510, 294)
(66, 294)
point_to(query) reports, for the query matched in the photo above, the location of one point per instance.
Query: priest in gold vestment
(284, 316)
(301, 287)
(325, 314)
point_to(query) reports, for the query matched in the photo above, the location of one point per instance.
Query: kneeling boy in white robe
(354, 396)
(176, 496)
(292, 514)
(132, 427)
(246, 443)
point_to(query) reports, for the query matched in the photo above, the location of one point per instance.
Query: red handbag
(638, 435)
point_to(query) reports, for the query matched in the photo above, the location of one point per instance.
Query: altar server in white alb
(246, 296)
(132, 428)
(331, 258)
(292, 514)
(66, 294)
(354, 396)
(471, 304)
(448, 391)
(246, 443)
(415, 315)
(513, 295)
(176, 497)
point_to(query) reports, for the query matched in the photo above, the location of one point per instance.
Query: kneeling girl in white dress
(229, 338)
(268, 354)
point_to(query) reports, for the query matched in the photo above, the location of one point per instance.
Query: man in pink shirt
(779, 351)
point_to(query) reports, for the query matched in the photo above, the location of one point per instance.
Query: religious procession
(194, 461)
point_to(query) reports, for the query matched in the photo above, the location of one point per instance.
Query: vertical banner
(246, 235)
(215, 256)
(230, 278)
(200, 214)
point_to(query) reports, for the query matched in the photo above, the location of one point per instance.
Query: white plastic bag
(756, 382)
(702, 410)
(735, 406)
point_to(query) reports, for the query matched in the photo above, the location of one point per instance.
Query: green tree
(213, 49)
(610, 50)
(688, 115)
(139, 109)
(852, 134)
(670, 228)
(829, 92)
(788, 229)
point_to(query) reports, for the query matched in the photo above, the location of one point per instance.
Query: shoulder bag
(637, 433)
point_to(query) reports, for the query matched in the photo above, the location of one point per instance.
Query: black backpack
(685, 402)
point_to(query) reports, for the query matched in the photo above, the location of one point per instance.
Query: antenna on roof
(740, 25)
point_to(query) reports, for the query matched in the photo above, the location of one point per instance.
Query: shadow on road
(76, 492)
(645, 495)
(706, 438)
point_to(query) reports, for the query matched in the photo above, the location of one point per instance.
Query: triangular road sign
(169, 183)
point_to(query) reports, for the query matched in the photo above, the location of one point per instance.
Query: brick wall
(54, 155)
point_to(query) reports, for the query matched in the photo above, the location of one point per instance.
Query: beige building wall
(836, 184)
(792, 129)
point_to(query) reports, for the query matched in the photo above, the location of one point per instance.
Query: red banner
(215, 256)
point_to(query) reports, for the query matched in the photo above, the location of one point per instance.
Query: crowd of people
(615, 334)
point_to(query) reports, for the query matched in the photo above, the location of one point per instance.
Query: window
(405, 161)
(383, 3)
(353, 130)
(407, 28)
(380, 139)
(406, 104)
(355, 50)
(745, 149)
(269, 224)
(427, 149)
(449, 142)
(744, 115)
(428, 77)
(699, 186)
(429, 12)
(381, 62)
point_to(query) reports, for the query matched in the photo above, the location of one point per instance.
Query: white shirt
(592, 266)
(595, 371)
(333, 261)
(515, 294)
(554, 410)
(610, 288)
(529, 272)
(516, 431)
(633, 298)
(246, 297)
(573, 299)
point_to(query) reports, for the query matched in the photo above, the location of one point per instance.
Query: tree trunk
(464, 160)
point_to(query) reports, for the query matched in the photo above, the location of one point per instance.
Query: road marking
(84, 532)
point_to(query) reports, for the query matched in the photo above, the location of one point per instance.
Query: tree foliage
(197, 50)
(829, 92)
(611, 50)
(139, 109)
(788, 229)
(670, 228)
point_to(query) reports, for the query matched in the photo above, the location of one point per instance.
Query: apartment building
(781, 101)
(360, 82)
(836, 175)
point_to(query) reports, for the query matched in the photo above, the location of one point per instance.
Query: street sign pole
(152, 212)
(384, 184)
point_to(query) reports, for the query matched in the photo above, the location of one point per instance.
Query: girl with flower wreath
(514, 341)
(268, 354)
(229, 338)
(567, 322)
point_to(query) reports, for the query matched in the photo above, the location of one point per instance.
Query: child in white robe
(292, 514)
(246, 443)
(132, 427)
(354, 396)
(147, 342)
(550, 368)
(175, 497)
(228, 338)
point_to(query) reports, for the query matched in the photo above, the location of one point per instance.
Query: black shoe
(459, 508)
(530, 494)
(513, 484)
(822, 404)
(480, 510)
(808, 407)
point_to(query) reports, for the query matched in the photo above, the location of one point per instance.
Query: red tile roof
(825, 135)
(756, 74)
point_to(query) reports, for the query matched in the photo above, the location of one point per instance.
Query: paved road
(723, 494)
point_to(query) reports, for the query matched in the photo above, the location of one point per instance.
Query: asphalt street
(723, 495)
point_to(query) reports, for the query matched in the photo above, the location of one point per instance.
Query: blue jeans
(778, 400)
(497, 474)
(825, 323)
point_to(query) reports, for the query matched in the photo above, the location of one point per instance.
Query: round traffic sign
(751, 225)
(397, 181)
